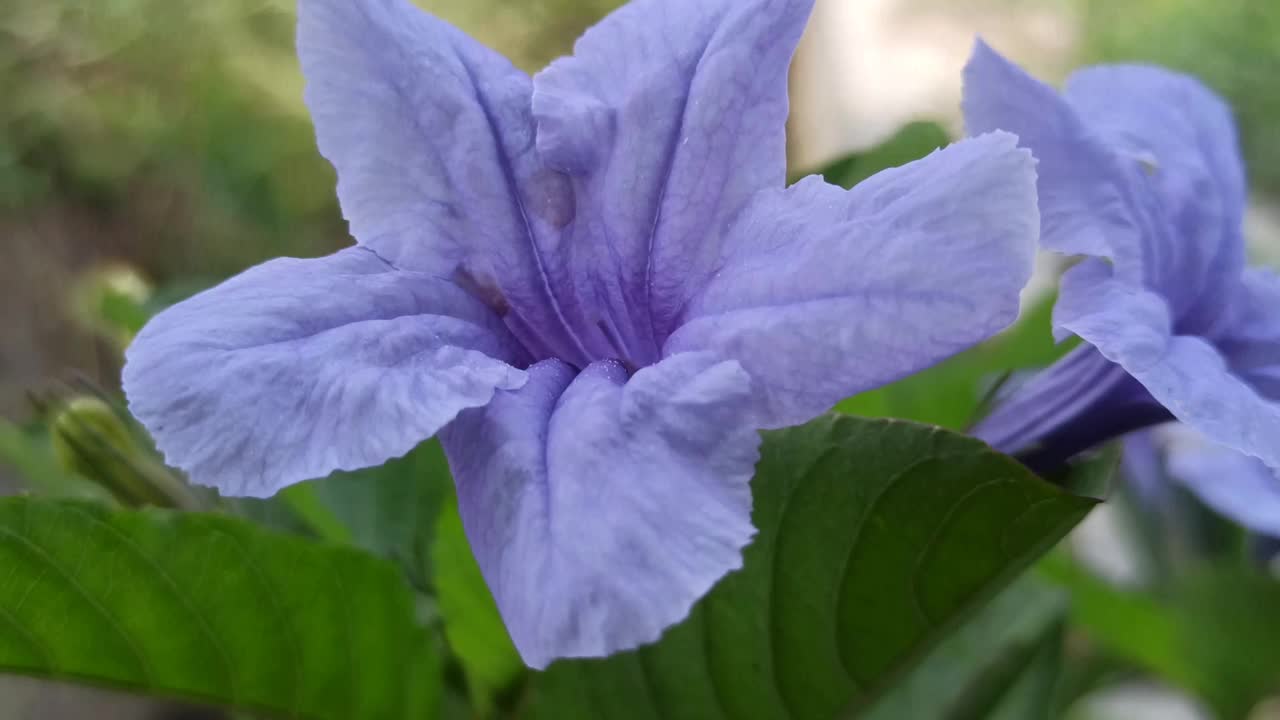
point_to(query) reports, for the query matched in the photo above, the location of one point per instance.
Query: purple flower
(593, 285)
(1139, 173)
(1240, 487)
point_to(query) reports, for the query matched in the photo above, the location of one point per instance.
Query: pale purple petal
(1236, 485)
(669, 115)
(1185, 136)
(296, 368)
(1142, 464)
(822, 292)
(1184, 373)
(601, 508)
(432, 137)
(1252, 345)
(1087, 203)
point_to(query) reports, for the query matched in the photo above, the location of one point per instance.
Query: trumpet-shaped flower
(593, 284)
(1139, 173)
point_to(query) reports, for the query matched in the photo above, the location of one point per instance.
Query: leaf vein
(52, 564)
(175, 591)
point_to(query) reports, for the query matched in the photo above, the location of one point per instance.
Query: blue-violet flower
(593, 285)
(1139, 173)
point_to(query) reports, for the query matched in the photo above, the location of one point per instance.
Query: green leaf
(389, 510)
(303, 500)
(1035, 692)
(876, 538)
(472, 625)
(1000, 663)
(912, 142)
(209, 608)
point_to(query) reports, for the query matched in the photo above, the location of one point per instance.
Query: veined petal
(432, 137)
(601, 508)
(823, 293)
(669, 115)
(296, 368)
(1185, 374)
(1088, 205)
(1236, 485)
(1186, 137)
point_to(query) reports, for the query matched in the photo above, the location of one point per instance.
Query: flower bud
(92, 441)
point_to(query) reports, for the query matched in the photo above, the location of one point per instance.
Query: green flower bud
(111, 301)
(92, 441)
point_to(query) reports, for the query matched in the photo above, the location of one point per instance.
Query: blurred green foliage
(1214, 632)
(186, 122)
(186, 113)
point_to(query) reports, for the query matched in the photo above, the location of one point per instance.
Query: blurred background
(149, 148)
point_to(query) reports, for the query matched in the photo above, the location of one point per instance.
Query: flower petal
(1185, 374)
(1137, 165)
(1187, 137)
(1142, 465)
(1087, 206)
(823, 293)
(296, 368)
(1252, 345)
(1078, 402)
(432, 137)
(1236, 485)
(669, 116)
(600, 508)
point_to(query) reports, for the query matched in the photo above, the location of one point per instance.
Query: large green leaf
(210, 608)
(876, 538)
(1001, 663)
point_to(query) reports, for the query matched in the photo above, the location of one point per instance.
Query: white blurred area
(866, 67)
(1139, 701)
(1153, 701)
(1262, 228)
